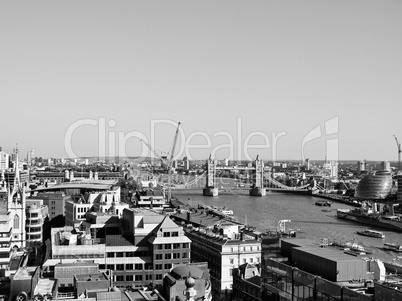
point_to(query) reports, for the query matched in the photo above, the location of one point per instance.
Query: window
(231, 261)
(16, 222)
(129, 277)
(258, 259)
(168, 246)
(120, 267)
(166, 234)
(186, 245)
(251, 260)
(176, 255)
(148, 277)
(119, 254)
(102, 266)
(158, 276)
(168, 256)
(119, 278)
(129, 254)
(176, 246)
(159, 247)
(185, 255)
(175, 234)
(109, 254)
(110, 266)
(244, 249)
(251, 248)
(158, 257)
(231, 272)
(129, 266)
(158, 267)
(168, 266)
(139, 266)
(138, 277)
(244, 260)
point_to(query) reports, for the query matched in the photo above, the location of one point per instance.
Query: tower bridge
(260, 175)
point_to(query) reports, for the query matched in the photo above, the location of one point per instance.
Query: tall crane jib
(399, 153)
(170, 162)
(167, 161)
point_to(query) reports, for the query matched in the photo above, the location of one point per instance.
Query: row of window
(245, 249)
(127, 267)
(30, 215)
(123, 267)
(32, 222)
(172, 246)
(126, 254)
(170, 234)
(33, 229)
(251, 260)
(171, 256)
(167, 266)
(34, 236)
(138, 277)
(5, 234)
(4, 255)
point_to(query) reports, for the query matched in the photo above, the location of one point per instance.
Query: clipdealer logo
(113, 143)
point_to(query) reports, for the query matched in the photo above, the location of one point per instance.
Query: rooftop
(84, 184)
(91, 277)
(24, 273)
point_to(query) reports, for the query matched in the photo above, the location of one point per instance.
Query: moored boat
(392, 247)
(323, 203)
(392, 222)
(371, 233)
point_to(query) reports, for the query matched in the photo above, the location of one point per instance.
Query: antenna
(399, 153)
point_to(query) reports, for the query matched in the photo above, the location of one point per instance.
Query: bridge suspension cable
(281, 185)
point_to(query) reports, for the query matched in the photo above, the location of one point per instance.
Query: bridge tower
(210, 189)
(257, 187)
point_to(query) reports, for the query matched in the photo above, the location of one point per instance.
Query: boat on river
(392, 247)
(392, 222)
(323, 203)
(221, 211)
(371, 233)
(376, 188)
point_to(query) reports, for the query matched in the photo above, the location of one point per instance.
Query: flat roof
(45, 286)
(74, 264)
(24, 273)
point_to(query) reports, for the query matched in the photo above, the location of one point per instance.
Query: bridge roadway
(239, 168)
(233, 189)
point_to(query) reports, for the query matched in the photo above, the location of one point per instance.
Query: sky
(284, 80)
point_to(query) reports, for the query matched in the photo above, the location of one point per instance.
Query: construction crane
(167, 161)
(399, 153)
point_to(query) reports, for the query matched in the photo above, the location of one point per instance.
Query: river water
(314, 222)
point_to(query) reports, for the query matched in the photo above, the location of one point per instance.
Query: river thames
(314, 222)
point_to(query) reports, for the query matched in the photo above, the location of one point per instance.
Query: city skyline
(226, 70)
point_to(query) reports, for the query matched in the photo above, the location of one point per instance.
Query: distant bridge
(260, 176)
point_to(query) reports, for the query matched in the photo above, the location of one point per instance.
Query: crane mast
(168, 161)
(399, 153)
